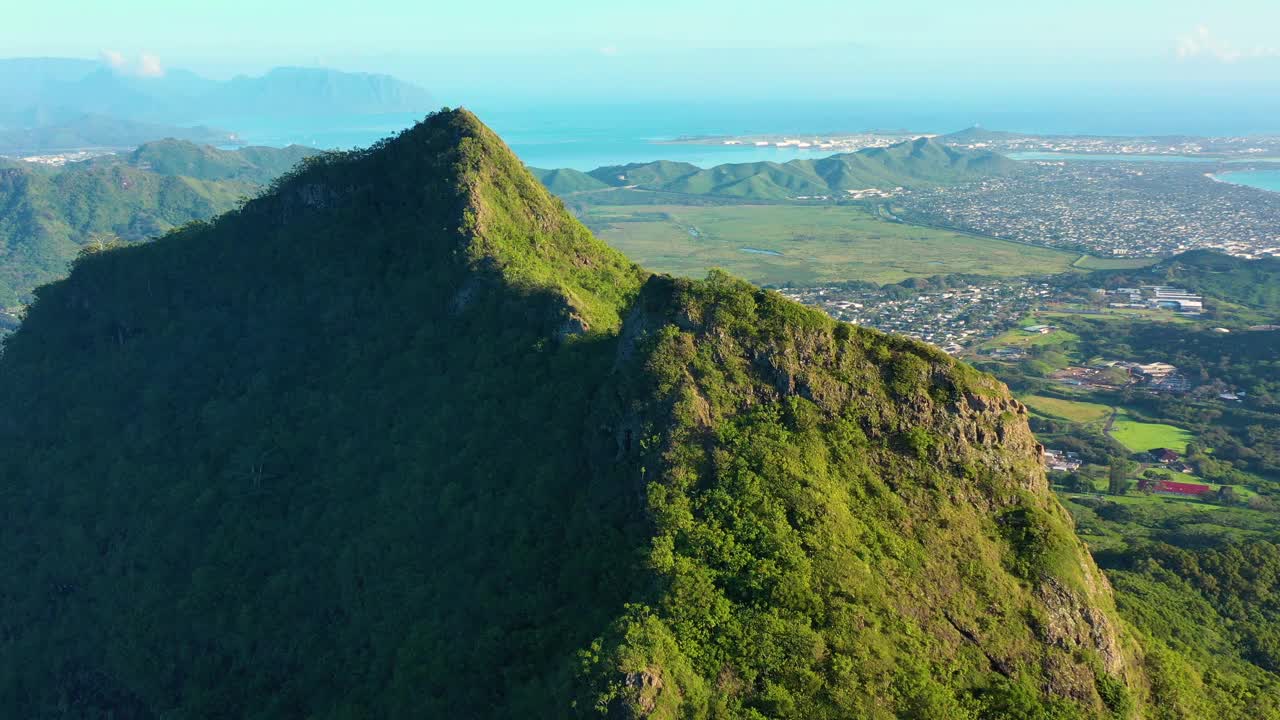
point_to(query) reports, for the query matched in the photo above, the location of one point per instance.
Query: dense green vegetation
(48, 215)
(401, 438)
(1252, 283)
(916, 163)
(258, 165)
(1195, 577)
(1199, 584)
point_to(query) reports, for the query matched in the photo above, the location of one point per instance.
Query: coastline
(1220, 176)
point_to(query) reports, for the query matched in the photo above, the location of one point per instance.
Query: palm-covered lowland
(47, 215)
(399, 437)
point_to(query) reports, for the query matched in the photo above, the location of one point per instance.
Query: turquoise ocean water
(589, 136)
(1264, 179)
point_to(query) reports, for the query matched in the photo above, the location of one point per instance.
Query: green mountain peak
(400, 438)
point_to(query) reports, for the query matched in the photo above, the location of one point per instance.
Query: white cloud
(114, 58)
(149, 66)
(1203, 43)
(609, 50)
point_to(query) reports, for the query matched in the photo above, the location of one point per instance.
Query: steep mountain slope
(917, 163)
(400, 438)
(47, 216)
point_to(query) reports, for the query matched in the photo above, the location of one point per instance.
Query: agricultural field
(805, 245)
(1072, 410)
(1142, 436)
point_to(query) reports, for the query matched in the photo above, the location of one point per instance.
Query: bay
(1261, 179)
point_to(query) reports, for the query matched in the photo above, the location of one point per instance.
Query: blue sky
(678, 48)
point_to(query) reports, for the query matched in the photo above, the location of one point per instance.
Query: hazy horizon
(1174, 55)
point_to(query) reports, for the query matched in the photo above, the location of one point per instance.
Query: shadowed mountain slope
(401, 438)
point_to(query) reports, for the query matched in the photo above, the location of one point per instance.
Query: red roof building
(1175, 488)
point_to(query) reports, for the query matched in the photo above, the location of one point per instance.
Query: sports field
(1142, 436)
(779, 244)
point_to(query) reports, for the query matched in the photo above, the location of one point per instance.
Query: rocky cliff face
(897, 495)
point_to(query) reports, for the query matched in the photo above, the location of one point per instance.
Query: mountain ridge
(913, 164)
(400, 437)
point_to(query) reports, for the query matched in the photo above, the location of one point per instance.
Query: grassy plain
(1142, 436)
(1089, 262)
(1072, 410)
(779, 244)
(1019, 338)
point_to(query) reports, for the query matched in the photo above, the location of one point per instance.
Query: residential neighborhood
(953, 318)
(1111, 209)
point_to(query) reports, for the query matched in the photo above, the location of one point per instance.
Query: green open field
(1141, 436)
(1017, 337)
(1113, 314)
(1089, 262)
(1073, 410)
(778, 244)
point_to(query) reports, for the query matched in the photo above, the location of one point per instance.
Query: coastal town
(960, 315)
(828, 143)
(1112, 209)
(1239, 147)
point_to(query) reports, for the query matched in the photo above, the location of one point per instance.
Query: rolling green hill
(643, 174)
(566, 181)
(916, 163)
(1252, 283)
(400, 438)
(48, 215)
(976, 134)
(258, 165)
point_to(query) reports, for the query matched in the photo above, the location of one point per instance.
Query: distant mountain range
(58, 103)
(48, 214)
(916, 163)
(67, 131)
